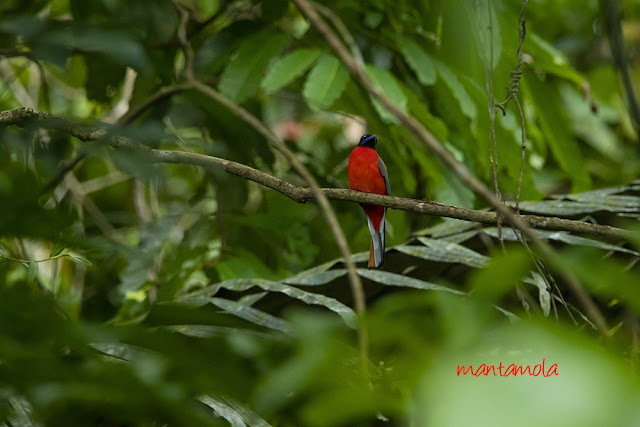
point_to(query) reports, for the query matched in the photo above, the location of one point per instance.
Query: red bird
(368, 173)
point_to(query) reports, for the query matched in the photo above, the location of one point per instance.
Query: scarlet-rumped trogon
(368, 173)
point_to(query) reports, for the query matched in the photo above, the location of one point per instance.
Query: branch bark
(24, 116)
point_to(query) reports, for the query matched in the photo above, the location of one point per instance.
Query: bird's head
(368, 141)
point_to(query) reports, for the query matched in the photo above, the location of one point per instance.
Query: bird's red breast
(365, 176)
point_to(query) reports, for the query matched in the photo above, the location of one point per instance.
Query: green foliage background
(138, 294)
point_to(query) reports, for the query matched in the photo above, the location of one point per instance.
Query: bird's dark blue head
(368, 141)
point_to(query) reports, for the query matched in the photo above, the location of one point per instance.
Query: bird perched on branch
(368, 173)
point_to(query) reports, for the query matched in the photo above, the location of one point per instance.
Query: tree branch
(23, 116)
(163, 93)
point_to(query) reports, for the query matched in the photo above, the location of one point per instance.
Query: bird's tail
(376, 247)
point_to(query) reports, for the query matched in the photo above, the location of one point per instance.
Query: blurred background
(135, 293)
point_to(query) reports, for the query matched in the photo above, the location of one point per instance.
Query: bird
(368, 173)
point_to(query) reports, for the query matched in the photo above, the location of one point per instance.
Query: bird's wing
(385, 175)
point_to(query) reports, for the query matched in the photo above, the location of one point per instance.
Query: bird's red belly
(365, 176)
(364, 172)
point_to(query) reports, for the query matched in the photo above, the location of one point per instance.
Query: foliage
(138, 294)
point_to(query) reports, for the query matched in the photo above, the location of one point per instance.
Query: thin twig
(59, 177)
(13, 53)
(523, 150)
(93, 210)
(323, 202)
(199, 26)
(13, 83)
(342, 29)
(122, 105)
(184, 41)
(162, 93)
(493, 143)
(46, 100)
(140, 202)
(104, 181)
(129, 117)
(25, 116)
(512, 94)
(514, 83)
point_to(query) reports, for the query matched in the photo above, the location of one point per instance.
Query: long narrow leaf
(252, 314)
(288, 68)
(418, 60)
(241, 78)
(443, 251)
(325, 83)
(235, 414)
(393, 279)
(307, 297)
(562, 236)
(316, 278)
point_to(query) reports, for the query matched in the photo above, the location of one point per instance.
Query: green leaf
(240, 285)
(233, 412)
(57, 250)
(543, 293)
(502, 274)
(479, 18)
(253, 298)
(118, 46)
(547, 58)
(241, 78)
(448, 227)
(325, 83)
(562, 236)
(3, 251)
(443, 251)
(390, 88)
(286, 69)
(274, 10)
(207, 7)
(593, 128)
(608, 199)
(359, 257)
(454, 192)
(32, 271)
(420, 110)
(251, 314)
(555, 126)
(605, 277)
(315, 278)
(458, 90)
(565, 207)
(207, 331)
(81, 259)
(418, 60)
(393, 279)
(504, 400)
(462, 237)
(314, 270)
